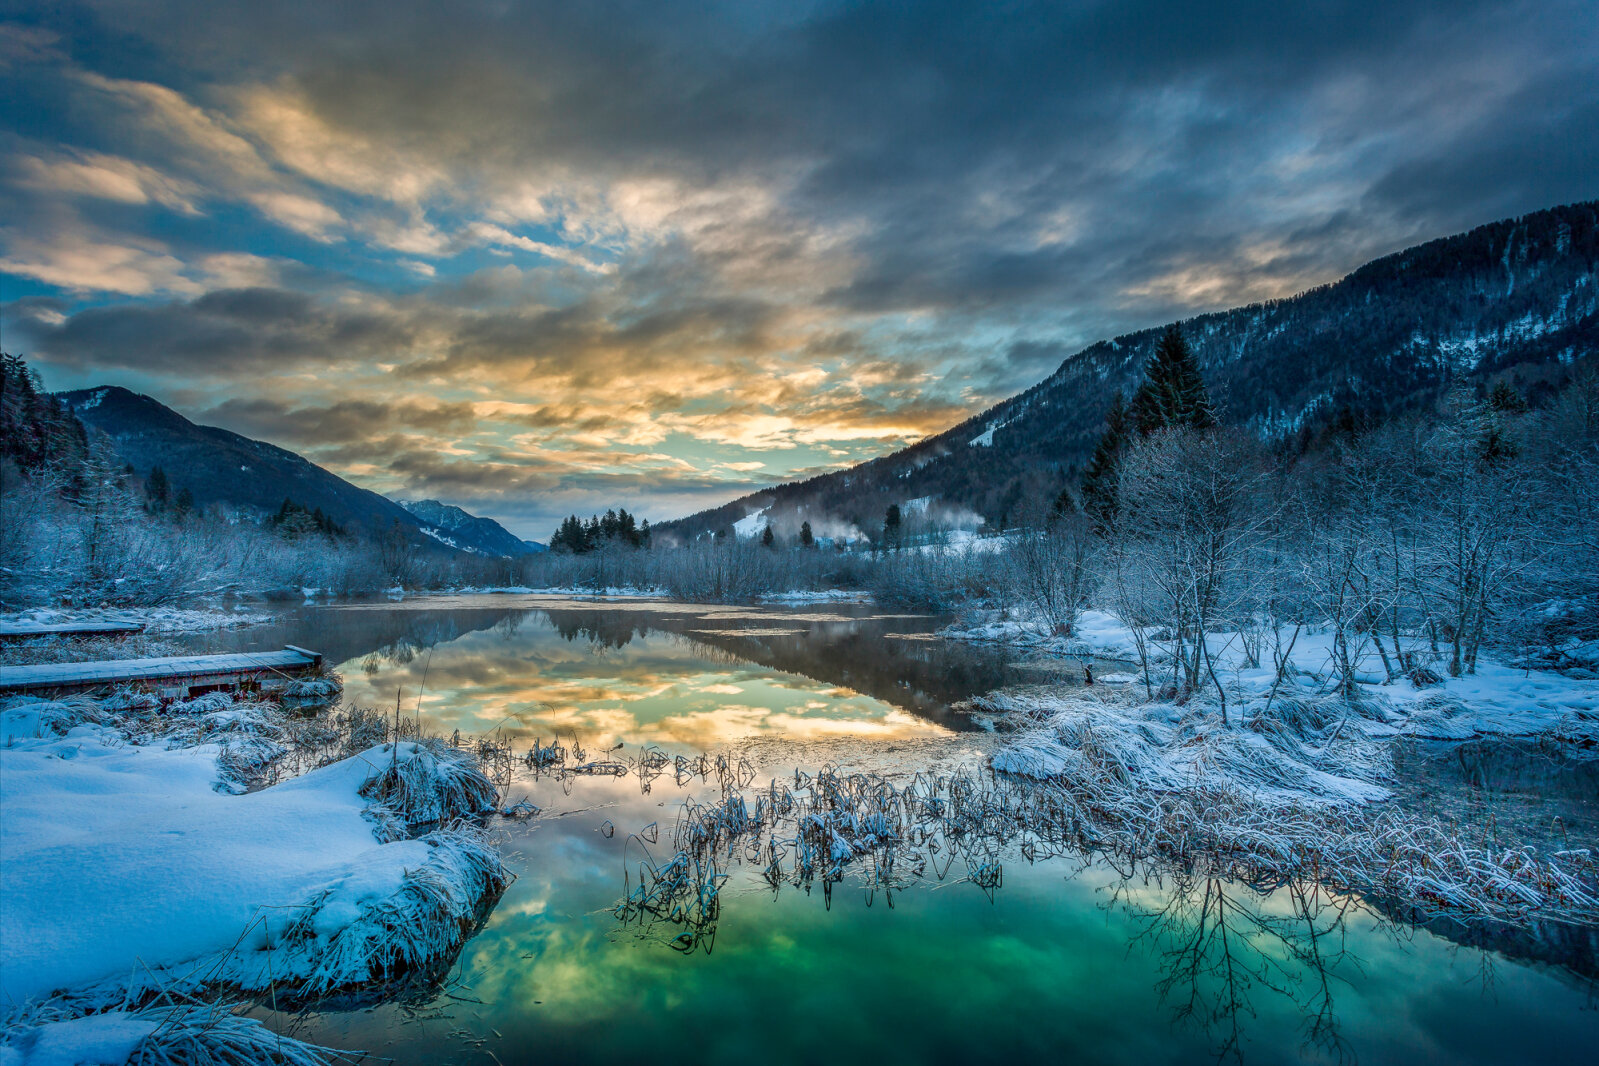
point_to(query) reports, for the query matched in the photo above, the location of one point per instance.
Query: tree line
(615, 528)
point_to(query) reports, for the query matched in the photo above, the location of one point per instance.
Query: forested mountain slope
(1516, 298)
(221, 467)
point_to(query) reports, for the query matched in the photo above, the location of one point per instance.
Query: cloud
(76, 261)
(110, 178)
(654, 249)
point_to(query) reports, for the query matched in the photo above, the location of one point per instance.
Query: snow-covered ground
(1301, 739)
(133, 866)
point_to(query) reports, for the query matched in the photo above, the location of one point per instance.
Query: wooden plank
(106, 672)
(23, 630)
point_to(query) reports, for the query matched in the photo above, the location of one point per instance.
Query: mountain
(451, 525)
(1515, 300)
(221, 467)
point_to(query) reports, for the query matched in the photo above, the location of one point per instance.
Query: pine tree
(768, 538)
(1099, 478)
(157, 490)
(807, 538)
(1506, 399)
(1173, 393)
(891, 526)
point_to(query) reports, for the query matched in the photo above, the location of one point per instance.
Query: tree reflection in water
(1221, 943)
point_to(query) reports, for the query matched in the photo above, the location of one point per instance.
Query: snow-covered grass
(165, 1034)
(1281, 762)
(138, 867)
(1302, 750)
(1286, 790)
(1098, 634)
(64, 649)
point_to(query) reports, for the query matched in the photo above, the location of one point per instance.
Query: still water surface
(1064, 961)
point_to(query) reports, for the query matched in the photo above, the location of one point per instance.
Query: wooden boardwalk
(173, 676)
(24, 630)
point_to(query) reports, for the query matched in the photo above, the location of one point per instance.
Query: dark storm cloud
(338, 423)
(227, 331)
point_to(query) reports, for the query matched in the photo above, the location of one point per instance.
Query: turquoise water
(1062, 961)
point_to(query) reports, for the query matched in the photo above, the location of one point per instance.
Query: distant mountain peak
(458, 528)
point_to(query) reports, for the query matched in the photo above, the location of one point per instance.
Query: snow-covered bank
(1497, 699)
(1305, 750)
(629, 591)
(162, 1035)
(1286, 789)
(819, 596)
(134, 868)
(1097, 633)
(156, 620)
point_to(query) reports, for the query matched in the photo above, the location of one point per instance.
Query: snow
(154, 619)
(819, 596)
(750, 526)
(1166, 747)
(448, 541)
(93, 400)
(1161, 747)
(985, 439)
(133, 863)
(628, 591)
(99, 1039)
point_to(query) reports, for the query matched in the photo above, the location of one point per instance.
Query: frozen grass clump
(425, 783)
(184, 1034)
(131, 701)
(244, 760)
(203, 704)
(1294, 750)
(342, 940)
(30, 718)
(309, 692)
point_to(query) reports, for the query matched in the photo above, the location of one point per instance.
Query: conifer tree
(1099, 478)
(1173, 393)
(891, 526)
(1506, 399)
(807, 538)
(768, 538)
(158, 490)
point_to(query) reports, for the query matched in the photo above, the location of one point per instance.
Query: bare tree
(1193, 511)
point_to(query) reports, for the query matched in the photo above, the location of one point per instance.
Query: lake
(1065, 959)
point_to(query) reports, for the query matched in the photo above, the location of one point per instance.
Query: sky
(537, 258)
